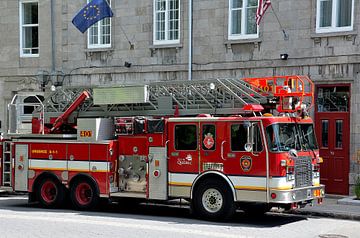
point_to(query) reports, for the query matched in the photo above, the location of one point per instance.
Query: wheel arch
(85, 177)
(42, 176)
(212, 175)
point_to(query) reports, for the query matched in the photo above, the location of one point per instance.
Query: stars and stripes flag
(263, 6)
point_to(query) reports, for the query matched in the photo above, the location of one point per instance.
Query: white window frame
(242, 35)
(99, 34)
(333, 27)
(21, 18)
(166, 41)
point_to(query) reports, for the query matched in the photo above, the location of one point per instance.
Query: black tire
(84, 194)
(213, 200)
(50, 193)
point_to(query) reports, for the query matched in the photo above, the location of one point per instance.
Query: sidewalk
(334, 207)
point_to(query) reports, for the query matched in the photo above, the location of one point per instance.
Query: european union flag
(92, 13)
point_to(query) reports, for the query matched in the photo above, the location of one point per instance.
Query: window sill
(29, 56)
(229, 43)
(165, 46)
(94, 50)
(347, 34)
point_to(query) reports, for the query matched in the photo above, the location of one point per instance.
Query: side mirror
(248, 147)
(250, 137)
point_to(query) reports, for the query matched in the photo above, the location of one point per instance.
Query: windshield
(307, 135)
(284, 137)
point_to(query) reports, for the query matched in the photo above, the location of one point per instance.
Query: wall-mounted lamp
(284, 56)
(127, 64)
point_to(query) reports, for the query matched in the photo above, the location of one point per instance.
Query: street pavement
(18, 219)
(334, 207)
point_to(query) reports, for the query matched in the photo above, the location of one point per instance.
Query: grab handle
(222, 150)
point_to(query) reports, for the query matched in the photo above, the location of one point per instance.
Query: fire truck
(220, 144)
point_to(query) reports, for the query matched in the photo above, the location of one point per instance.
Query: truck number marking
(85, 133)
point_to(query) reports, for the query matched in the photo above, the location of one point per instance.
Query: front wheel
(84, 194)
(213, 200)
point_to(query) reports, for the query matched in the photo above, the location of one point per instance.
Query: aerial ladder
(283, 94)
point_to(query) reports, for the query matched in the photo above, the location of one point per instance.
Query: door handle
(332, 152)
(222, 150)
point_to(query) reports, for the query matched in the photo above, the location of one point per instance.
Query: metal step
(6, 189)
(128, 195)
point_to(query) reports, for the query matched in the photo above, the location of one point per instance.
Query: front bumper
(296, 195)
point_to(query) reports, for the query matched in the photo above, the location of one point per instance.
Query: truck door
(246, 158)
(183, 147)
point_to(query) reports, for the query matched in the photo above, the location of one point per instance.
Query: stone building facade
(40, 46)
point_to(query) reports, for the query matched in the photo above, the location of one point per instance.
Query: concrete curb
(328, 214)
(349, 201)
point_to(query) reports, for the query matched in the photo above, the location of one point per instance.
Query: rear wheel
(84, 194)
(213, 200)
(50, 193)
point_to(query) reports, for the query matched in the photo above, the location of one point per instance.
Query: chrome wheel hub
(212, 200)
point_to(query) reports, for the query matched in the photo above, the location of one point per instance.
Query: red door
(183, 147)
(332, 119)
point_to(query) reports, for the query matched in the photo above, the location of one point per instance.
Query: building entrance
(332, 121)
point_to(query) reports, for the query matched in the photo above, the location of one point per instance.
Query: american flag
(263, 6)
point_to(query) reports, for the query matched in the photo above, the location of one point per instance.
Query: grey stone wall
(326, 58)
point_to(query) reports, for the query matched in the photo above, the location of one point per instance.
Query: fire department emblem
(246, 163)
(209, 141)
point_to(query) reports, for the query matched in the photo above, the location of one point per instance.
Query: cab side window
(258, 146)
(186, 137)
(239, 137)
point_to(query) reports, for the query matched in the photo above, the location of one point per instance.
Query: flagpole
(127, 38)
(286, 36)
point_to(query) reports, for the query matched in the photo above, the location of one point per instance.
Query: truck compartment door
(21, 167)
(158, 180)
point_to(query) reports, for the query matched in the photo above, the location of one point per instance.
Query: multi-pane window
(334, 15)
(242, 22)
(29, 28)
(166, 21)
(99, 34)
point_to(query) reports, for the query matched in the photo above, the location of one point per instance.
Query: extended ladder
(216, 97)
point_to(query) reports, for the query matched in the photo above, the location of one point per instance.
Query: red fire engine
(220, 144)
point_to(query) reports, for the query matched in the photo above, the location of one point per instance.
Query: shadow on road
(153, 212)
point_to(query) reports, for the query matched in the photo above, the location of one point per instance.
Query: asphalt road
(20, 219)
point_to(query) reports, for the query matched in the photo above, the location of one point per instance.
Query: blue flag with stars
(93, 12)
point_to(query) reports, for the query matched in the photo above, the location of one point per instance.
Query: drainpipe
(190, 40)
(52, 21)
